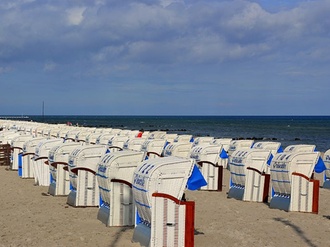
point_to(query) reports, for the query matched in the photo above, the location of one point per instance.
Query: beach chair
(40, 164)
(62, 132)
(116, 143)
(134, 143)
(81, 136)
(248, 178)
(326, 159)
(156, 135)
(203, 139)
(55, 130)
(5, 154)
(7, 136)
(178, 149)
(82, 168)
(225, 142)
(104, 139)
(274, 147)
(165, 218)
(38, 131)
(58, 159)
(209, 159)
(129, 133)
(114, 176)
(72, 134)
(171, 137)
(92, 138)
(294, 188)
(239, 145)
(27, 168)
(184, 138)
(153, 148)
(17, 147)
(300, 148)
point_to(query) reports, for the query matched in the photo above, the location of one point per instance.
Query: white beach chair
(72, 134)
(248, 178)
(203, 139)
(153, 148)
(58, 159)
(239, 145)
(81, 136)
(156, 135)
(92, 138)
(40, 165)
(300, 148)
(82, 169)
(171, 137)
(274, 147)
(134, 143)
(28, 153)
(184, 138)
(7, 136)
(225, 142)
(326, 159)
(210, 158)
(114, 176)
(293, 186)
(104, 139)
(17, 148)
(116, 143)
(178, 149)
(165, 218)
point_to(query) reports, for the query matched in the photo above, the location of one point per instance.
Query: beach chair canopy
(168, 175)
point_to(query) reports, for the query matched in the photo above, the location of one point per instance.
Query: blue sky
(166, 57)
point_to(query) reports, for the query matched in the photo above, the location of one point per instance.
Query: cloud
(75, 15)
(5, 70)
(174, 45)
(49, 66)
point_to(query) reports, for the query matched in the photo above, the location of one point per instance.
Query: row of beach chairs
(139, 178)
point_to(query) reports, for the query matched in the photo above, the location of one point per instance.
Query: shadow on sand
(118, 235)
(297, 230)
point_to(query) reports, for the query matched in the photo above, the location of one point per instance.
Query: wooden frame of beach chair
(5, 154)
(304, 194)
(173, 218)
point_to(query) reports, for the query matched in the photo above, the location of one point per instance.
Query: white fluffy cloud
(214, 43)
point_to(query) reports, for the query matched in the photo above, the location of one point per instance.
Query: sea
(288, 130)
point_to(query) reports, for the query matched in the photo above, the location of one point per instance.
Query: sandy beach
(30, 217)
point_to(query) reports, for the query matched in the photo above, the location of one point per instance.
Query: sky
(164, 57)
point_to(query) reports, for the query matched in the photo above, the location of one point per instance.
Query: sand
(30, 217)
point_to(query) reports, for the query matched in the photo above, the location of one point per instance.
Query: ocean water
(285, 129)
